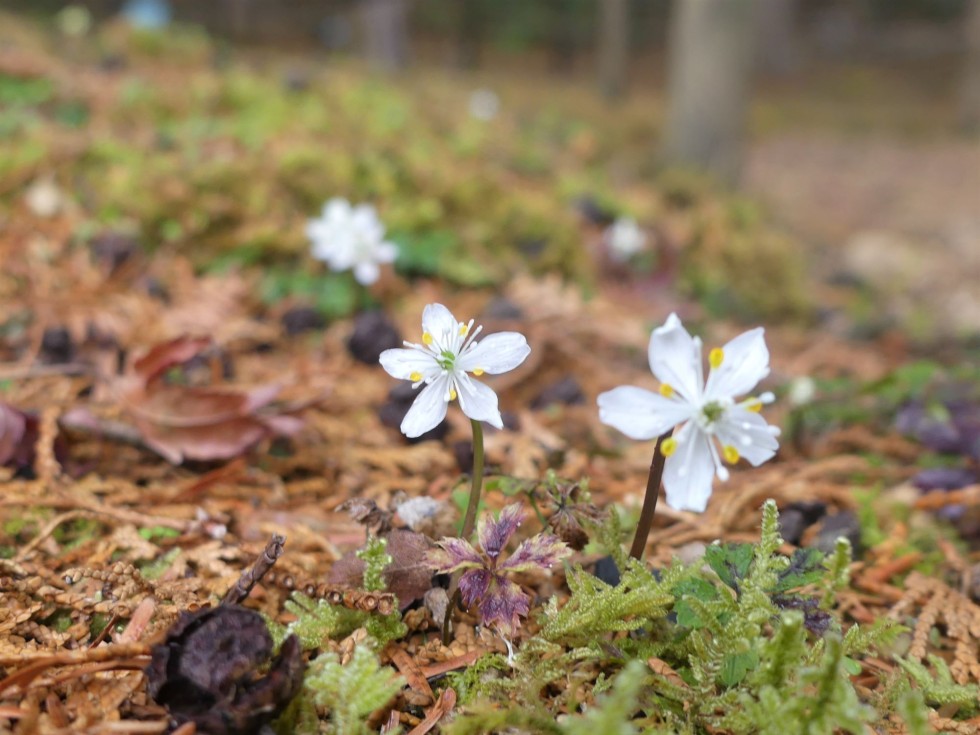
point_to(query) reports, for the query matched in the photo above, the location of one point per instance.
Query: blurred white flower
(442, 362)
(349, 237)
(802, 390)
(708, 411)
(484, 104)
(44, 198)
(624, 238)
(74, 20)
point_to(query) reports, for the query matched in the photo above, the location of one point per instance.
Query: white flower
(802, 390)
(624, 238)
(448, 353)
(484, 104)
(351, 238)
(44, 198)
(708, 411)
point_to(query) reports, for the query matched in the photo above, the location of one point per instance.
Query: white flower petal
(640, 413)
(402, 363)
(386, 252)
(428, 410)
(337, 209)
(689, 472)
(496, 353)
(438, 321)
(749, 433)
(366, 272)
(745, 363)
(675, 358)
(478, 401)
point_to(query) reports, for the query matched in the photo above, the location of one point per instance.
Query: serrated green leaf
(731, 562)
(700, 589)
(735, 666)
(805, 567)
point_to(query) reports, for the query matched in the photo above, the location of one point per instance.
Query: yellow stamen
(668, 446)
(463, 329)
(415, 377)
(478, 372)
(452, 394)
(755, 406)
(731, 454)
(426, 338)
(716, 356)
(666, 390)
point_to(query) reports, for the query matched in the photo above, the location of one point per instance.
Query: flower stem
(650, 499)
(469, 521)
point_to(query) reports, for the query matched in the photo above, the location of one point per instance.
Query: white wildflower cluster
(351, 238)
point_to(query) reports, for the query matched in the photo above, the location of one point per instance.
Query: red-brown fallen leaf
(166, 355)
(408, 576)
(18, 435)
(191, 422)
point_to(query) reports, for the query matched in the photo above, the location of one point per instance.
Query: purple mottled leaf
(453, 554)
(815, 620)
(966, 419)
(951, 428)
(493, 534)
(538, 552)
(932, 427)
(473, 585)
(503, 605)
(944, 478)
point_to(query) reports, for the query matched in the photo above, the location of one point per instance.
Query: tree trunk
(970, 86)
(469, 33)
(613, 51)
(238, 15)
(780, 51)
(385, 27)
(563, 42)
(711, 55)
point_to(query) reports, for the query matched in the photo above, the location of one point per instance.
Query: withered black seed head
(373, 333)
(206, 671)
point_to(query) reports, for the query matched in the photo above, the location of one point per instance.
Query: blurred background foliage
(187, 140)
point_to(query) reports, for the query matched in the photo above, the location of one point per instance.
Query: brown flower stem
(650, 499)
(469, 522)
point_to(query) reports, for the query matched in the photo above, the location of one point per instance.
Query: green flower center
(446, 360)
(712, 411)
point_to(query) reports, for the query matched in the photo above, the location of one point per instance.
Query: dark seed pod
(205, 671)
(373, 334)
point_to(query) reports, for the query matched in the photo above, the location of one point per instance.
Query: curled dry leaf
(192, 422)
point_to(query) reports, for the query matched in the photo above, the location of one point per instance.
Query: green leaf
(422, 255)
(731, 562)
(509, 486)
(154, 532)
(735, 666)
(698, 588)
(806, 566)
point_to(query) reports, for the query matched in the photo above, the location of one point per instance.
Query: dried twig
(250, 577)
